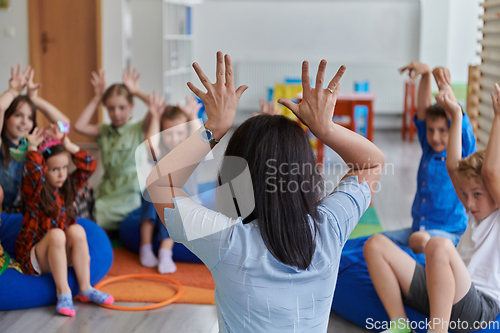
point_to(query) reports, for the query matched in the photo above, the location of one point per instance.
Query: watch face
(206, 135)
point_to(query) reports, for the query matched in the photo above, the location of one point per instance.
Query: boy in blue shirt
(436, 209)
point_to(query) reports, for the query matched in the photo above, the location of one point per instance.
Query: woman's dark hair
(286, 185)
(67, 190)
(8, 113)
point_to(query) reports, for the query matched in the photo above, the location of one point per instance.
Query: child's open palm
(33, 87)
(36, 137)
(17, 80)
(191, 108)
(415, 69)
(496, 99)
(98, 80)
(130, 78)
(156, 104)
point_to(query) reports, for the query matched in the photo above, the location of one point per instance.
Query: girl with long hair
(50, 239)
(18, 119)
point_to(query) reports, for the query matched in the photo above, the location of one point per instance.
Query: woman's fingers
(241, 90)
(336, 79)
(229, 72)
(320, 76)
(196, 91)
(306, 81)
(289, 104)
(203, 78)
(219, 69)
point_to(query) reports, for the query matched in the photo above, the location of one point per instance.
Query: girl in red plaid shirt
(50, 239)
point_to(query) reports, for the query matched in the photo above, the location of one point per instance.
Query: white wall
(364, 31)
(14, 49)
(282, 30)
(463, 37)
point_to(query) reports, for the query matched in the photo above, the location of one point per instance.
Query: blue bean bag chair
(20, 291)
(355, 298)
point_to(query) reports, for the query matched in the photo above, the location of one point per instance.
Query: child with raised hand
(17, 119)
(458, 286)
(119, 194)
(50, 239)
(177, 124)
(436, 209)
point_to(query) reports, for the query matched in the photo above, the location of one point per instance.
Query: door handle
(46, 40)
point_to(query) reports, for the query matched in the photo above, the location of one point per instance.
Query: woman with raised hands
(275, 266)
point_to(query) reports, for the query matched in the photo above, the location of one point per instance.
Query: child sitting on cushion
(177, 124)
(50, 239)
(459, 287)
(436, 209)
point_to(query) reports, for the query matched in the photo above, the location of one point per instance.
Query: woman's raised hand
(33, 87)
(98, 80)
(317, 106)
(18, 79)
(130, 78)
(221, 99)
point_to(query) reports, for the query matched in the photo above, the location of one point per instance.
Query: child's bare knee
(374, 244)
(76, 232)
(56, 237)
(437, 246)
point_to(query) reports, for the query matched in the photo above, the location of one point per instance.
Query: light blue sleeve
(346, 205)
(207, 233)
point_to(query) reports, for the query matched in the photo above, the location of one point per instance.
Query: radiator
(385, 81)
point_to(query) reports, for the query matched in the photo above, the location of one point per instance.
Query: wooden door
(65, 47)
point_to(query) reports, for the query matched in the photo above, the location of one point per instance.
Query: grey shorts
(475, 306)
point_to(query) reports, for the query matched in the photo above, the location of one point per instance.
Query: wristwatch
(208, 136)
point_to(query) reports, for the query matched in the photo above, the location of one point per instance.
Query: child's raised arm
(424, 99)
(156, 106)
(491, 163)
(52, 113)
(447, 100)
(130, 78)
(82, 124)
(191, 110)
(316, 110)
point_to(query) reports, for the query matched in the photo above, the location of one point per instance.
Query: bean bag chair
(20, 291)
(355, 298)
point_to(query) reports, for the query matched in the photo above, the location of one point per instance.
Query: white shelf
(178, 37)
(183, 2)
(177, 71)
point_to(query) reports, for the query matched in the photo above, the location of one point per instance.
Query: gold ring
(330, 90)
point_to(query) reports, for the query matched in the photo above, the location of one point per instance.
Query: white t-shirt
(479, 248)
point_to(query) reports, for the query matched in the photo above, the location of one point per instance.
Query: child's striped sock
(65, 304)
(96, 296)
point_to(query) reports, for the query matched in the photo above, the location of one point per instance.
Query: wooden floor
(393, 204)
